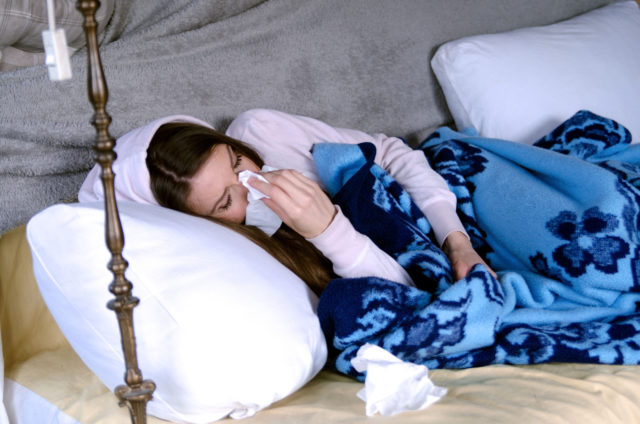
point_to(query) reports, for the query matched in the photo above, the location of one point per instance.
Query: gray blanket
(353, 63)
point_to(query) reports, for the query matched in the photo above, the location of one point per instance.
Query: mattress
(45, 381)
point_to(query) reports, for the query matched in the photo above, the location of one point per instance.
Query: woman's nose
(240, 188)
(237, 181)
(237, 177)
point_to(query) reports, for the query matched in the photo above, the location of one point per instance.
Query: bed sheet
(549, 393)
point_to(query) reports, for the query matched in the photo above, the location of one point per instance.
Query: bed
(403, 68)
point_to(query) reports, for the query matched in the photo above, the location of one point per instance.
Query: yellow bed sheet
(38, 357)
(552, 393)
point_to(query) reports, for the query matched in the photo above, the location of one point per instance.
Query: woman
(195, 169)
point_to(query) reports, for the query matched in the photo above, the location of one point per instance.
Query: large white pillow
(520, 85)
(222, 327)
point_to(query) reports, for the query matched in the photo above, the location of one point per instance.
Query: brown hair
(176, 153)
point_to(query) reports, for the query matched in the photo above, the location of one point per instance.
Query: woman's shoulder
(274, 126)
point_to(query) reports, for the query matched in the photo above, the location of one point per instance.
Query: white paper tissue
(391, 385)
(259, 214)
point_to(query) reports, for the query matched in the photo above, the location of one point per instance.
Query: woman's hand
(461, 254)
(297, 200)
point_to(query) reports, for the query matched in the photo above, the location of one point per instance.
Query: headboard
(359, 64)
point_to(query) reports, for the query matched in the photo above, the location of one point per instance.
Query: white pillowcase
(519, 85)
(222, 327)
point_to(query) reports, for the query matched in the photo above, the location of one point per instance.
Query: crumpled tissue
(391, 385)
(259, 214)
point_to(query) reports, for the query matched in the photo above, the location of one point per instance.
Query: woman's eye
(238, 161)
(226, 205)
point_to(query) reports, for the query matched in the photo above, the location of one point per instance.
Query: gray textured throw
(353, 63)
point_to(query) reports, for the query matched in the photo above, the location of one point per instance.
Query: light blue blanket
(558, 221)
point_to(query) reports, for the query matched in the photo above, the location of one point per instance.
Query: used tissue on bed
(258, 214)
(391, 385)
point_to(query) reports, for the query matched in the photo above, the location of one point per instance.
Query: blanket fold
(558, 221)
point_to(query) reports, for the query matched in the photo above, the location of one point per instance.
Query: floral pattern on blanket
(568, 287)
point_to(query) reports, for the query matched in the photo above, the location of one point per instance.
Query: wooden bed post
(137, 392)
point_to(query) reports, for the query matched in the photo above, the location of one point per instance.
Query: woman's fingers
(462, 255)
(462, 264)
(285, 189)
(297, 200)
(290, 183)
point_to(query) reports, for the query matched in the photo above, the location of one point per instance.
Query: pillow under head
(222, 327)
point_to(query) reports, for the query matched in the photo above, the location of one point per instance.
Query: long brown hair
(176, 153)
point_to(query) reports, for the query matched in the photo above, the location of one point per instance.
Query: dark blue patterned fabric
(558, 221)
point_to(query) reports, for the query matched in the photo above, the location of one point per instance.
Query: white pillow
(520, 85)
(222, 327)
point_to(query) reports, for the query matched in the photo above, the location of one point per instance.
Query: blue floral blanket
(558, 221)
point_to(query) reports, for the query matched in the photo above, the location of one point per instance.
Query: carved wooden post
(137, 392)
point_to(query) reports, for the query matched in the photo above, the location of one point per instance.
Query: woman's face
(215, 189)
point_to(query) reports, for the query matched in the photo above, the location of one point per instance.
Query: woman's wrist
(455, 241)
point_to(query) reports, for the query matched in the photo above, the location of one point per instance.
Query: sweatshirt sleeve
(354, 255)
(427, 188)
